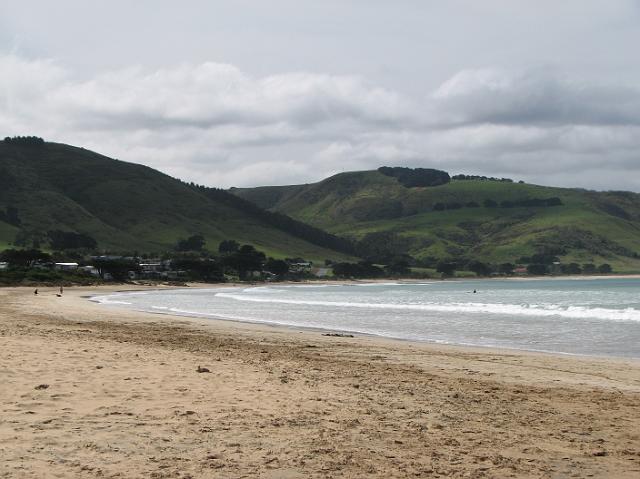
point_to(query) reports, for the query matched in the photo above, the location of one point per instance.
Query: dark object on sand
(36, 291)
(202, 370)
(338, 335)
(58, 295)
(42, 386)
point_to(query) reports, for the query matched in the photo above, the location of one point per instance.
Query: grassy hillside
(452, 220)
(123, 206)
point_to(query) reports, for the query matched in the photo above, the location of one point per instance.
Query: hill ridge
(494, 220)
(126, 206)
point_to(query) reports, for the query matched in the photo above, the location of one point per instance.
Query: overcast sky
(247, 93)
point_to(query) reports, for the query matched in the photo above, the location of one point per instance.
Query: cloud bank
(216, 125)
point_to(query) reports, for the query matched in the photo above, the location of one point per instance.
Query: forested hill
(433, 216)
(48, 190)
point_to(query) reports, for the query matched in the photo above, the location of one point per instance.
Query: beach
(92, 391)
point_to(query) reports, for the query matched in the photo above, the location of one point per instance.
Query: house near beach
(92, 270)
(65, 266)
(302, 267)
(155, 267)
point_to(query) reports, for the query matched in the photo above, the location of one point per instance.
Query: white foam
(108, 300)
(302, 286)
(262, 289)
(578, 312)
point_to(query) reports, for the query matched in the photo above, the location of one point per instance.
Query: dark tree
(203, 269)
(277, 266)
(228, 246)
(589, 268)
(398, 267)
(192, 243)
(537, 269)
(571, 268)
(364, 269)
(415, 177)
(24, 140)
(23, 258)
(446, 268)
(489, 203)
(479, 268)
(117, 268)
(605, 268)
(245, 260)
(482, 178)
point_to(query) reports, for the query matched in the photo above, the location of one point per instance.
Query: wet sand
(91, 391)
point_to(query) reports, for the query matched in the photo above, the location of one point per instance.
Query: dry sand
(124, 400)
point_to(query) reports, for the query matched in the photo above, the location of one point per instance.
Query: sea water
(587, 316)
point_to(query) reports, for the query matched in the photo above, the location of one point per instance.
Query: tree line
(278, 220)
(490, 203)
(190, 257)
(24, 140)
(416, 177)
(482, 178)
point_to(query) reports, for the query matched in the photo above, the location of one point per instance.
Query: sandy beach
(92, 391)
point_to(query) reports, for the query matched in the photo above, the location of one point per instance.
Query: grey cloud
(534, 97)
(211, 94)
(214, 123)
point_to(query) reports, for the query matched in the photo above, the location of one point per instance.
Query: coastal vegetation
(494, 221)
(191, 260)
(58, 197)
(79, 206)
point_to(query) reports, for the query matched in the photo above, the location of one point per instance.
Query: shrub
(415, 177)
(537, 269)
(605, 268)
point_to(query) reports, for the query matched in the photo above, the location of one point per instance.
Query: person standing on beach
(61, 289)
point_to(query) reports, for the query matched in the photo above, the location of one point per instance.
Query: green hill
(483, 219)
(47, 187)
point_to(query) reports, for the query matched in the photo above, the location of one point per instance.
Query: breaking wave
(577, 312)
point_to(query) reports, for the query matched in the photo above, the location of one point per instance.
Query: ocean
(596, 317)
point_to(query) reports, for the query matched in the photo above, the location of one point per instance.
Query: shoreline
(294, 330)
(392, 339)
(293, 327)
(123, 397)
(173, 285)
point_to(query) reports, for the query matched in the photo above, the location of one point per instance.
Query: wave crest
(577, 312)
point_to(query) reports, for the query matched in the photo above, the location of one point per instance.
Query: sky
(248, 93)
